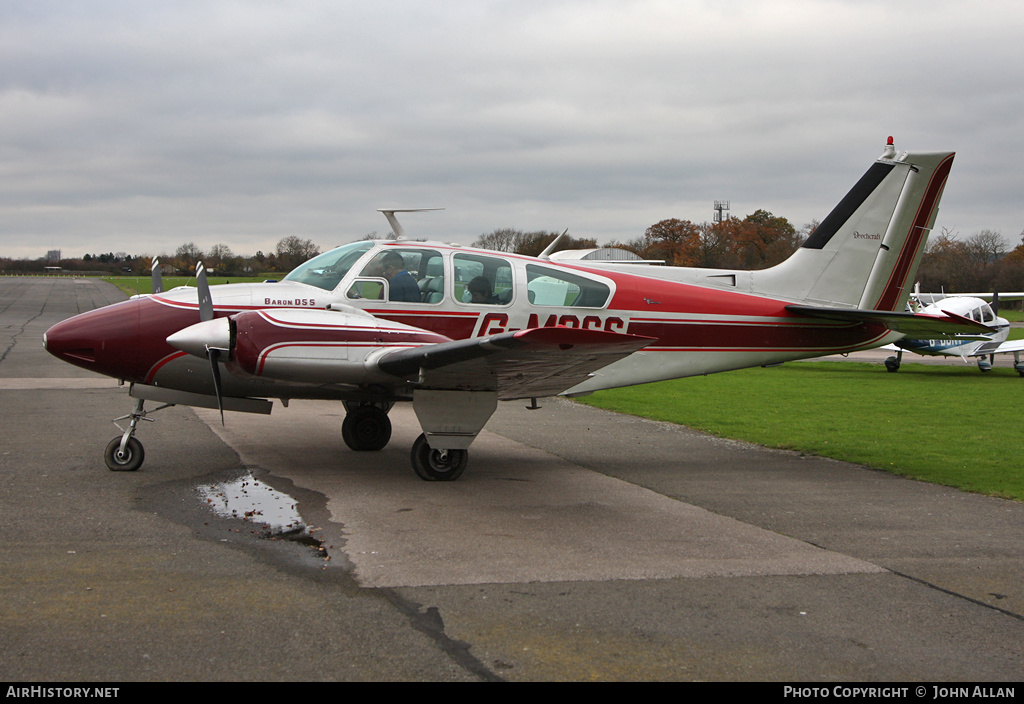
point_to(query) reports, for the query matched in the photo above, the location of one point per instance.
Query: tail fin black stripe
(848, 205)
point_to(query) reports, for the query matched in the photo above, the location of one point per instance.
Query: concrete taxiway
(578, 545)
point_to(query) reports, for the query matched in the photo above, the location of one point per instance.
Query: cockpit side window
(987, 316)
(482, 280)
(406, 275)
(553, 287)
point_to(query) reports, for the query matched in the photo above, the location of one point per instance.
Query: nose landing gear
(125, 453)
(124, 459)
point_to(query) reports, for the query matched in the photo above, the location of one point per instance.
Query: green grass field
(950, 424)
(144, 284)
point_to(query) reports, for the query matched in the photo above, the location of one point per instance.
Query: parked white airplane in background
(981, 346)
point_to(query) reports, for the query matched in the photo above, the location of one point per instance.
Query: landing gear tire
(366, 428)
(128, 461)
(437, 465)
(892, 365)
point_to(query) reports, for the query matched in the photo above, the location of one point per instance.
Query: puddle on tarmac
(249, 499)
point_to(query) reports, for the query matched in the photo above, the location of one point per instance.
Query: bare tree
(186, 256)
(986, 246)
(220, 258)
(502, 240)
(292, 251)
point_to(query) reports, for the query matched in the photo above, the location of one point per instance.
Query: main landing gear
(366, 427)
(125, 453)
(437, 465)
(450, 419)
(892, 364)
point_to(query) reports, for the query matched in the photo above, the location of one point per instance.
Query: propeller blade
(158, 279)
(995, 302)
(205, 298)
(214, 354)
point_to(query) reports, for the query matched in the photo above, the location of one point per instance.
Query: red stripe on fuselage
(453, 325)
(761, 337)
(276, 321)
(645, 296)
(155, 369)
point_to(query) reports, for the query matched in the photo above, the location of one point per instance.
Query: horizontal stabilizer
(522, 364)
(1008, 346)
(913, 325)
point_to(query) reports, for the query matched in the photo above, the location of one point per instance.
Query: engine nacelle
(318, 346)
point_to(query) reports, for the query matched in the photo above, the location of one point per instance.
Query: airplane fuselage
(698, 329)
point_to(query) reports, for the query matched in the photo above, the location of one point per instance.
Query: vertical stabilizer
(899, 256)
(868, 248)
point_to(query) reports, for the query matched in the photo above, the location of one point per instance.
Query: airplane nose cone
(105, 340)
(195, 339)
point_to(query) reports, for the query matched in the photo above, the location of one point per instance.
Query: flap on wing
(915, 326)
(521, 364)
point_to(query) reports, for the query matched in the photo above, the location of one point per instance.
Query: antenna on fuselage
(546, 254)
(396, 226)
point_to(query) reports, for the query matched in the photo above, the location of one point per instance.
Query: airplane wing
(929, 298)
(523, 364)
(916, 326)
(324, 347)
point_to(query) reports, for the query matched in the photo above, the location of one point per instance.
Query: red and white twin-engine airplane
(455, 330)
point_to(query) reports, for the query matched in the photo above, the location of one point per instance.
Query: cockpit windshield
(328, 269)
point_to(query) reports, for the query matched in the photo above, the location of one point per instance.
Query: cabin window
(554, 287)
(482, 280)
(401, 275)
(987, 316)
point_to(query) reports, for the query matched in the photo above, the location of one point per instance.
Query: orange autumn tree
(676, 242)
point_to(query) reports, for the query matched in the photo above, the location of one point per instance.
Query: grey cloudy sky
(137, 126)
